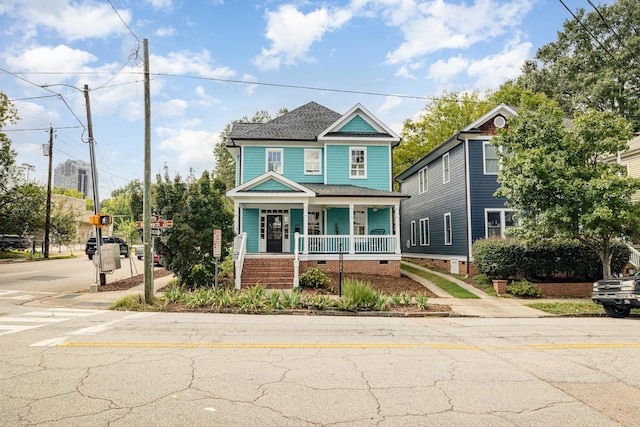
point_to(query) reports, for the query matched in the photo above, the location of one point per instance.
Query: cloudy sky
(214, 61)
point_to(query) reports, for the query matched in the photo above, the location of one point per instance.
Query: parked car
(618, 295)
(90, 248)
(13, 241)
(157, 258)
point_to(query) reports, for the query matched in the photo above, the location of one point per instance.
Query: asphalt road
(66, 367)
(60, 275)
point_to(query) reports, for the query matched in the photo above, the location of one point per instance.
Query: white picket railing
(239, 252)
(358, 244)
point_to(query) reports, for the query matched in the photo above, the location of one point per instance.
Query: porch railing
(359, 244)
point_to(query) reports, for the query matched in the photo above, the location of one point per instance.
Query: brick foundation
(391, 268)
(582, 289)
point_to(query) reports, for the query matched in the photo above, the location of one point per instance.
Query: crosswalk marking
(21, 295)
(39, 318)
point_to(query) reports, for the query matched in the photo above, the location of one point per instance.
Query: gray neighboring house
(452, 202)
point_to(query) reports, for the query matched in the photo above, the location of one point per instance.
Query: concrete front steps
(274, 272)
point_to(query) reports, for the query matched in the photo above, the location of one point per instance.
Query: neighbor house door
(274, 233)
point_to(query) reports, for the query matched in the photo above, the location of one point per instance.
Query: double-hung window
(490, 159)
(445, 168)
(424, 232)
(423, 176)
(447, 229)
(312, 161)
(358, 162)
(359, 222)
(275, 160)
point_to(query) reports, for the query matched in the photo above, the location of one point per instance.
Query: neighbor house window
(312, 161)
(413, 233)
(359, 222)
(490, 159)
(447, 228)
(445, 168)
(424, 232)
(499, 221)
(274, 160)
(358, 162)
(423, 176)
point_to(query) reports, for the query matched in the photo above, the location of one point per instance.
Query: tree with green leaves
(8, 170)
(553, 175)
(64, 224)
(439, 119)
(594, 63)
(196, 208)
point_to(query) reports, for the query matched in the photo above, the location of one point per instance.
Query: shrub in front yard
(314, 278)
(523, 288)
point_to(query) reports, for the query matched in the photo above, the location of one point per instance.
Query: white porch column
(396, 228)
(236, 217)
(352, 243)
(305, 227)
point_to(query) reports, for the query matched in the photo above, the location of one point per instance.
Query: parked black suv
(90, 248)
(618, 296)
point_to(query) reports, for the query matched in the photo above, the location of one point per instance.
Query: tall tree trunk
(605, 257)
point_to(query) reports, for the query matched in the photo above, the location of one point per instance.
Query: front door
(274, 233)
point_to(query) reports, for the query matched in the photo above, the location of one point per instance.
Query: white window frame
(448, 238)
(503, 222)
(307, 169)
(275, 150)
(425, 232)
(359, 229)
(423, 180)
(357, 172)
(484, 158)
(413, 233)
(446, 168)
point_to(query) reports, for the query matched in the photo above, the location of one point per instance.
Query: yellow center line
(256, 345)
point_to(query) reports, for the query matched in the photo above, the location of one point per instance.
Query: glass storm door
(274, 233)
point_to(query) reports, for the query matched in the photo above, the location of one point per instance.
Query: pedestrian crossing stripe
(39, 318)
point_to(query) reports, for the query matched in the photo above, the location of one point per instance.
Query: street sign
(155, 232)
(156, 223)
(139, 224)
(217, 243)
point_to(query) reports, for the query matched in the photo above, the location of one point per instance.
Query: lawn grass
(448, 286)
(568, 307)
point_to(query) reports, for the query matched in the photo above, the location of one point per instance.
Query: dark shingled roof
(302, 124)
(323, 190)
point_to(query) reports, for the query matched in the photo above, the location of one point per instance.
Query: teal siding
(338, 164)
(250, 225)
(359, 125)
(379, 219)
(338, 221)
(296, 219)
(293, 158)
(254, 162)
(272, 185)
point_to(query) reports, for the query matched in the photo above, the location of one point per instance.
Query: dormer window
(274, 160)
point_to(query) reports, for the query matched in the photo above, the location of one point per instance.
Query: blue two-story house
(452, 202)
(314, 189)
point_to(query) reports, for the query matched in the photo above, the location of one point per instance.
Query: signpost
(217, 251)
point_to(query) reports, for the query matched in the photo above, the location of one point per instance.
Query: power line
(633, 54)
(40, 129)
(124, 23)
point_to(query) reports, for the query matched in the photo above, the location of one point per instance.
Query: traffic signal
(105, 219)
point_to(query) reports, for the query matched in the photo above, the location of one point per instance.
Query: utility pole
(47, 221)
(146, 204)
(94, 182)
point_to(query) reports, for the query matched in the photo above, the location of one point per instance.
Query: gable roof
(304, 123)
(471, 129)
(359, 122)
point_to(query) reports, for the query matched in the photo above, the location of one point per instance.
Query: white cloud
(188, 148)
(160, 4)
(71, 20)
(404, 72)
(184, 62)
(292, 33)
(60, 58)
(165, 31)
(445, 71)
(431, 26)
(390, 103)
(494, 70)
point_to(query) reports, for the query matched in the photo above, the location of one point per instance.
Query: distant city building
(74, 175)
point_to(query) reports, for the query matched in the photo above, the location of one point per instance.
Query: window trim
(484, 158)
(425, 236)
(266, 158)
(423, 180)
(364, 224)
(446, 172)
(448, 233)
(306, 169)
(364, 163)
(413, 233)
(503, 225)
